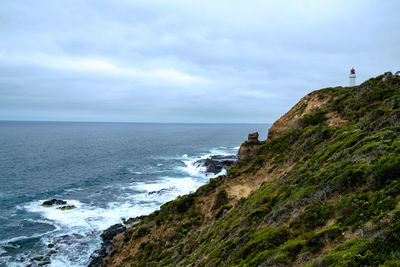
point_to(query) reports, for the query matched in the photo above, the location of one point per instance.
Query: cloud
(185, 61)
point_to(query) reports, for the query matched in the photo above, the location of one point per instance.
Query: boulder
(69, 207)
(50, 203)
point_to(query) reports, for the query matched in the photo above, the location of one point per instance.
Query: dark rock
(215, 164)
(250, 146)
(69, 207)
(50, 245)
(162, 191)
(54, 201)
(112, 231)
(96, 259)
(44, 263)
(253, 137)
(39, 258)
(51, 252)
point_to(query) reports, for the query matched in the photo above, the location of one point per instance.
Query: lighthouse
(352, 77)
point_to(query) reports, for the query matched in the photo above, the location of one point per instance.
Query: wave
(77, 231)
(9, 242)
(200, 171)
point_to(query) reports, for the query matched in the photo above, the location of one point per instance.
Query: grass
(336, 206)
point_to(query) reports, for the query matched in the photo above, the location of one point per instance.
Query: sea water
(107, 170)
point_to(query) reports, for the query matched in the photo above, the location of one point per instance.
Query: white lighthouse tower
(352, 77)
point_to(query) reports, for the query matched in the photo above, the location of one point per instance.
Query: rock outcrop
(250, 146)
(96, 259)
(215, 164)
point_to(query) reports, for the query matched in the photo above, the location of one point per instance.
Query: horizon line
(133, 122)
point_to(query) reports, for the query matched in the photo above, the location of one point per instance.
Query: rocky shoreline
(213, 165)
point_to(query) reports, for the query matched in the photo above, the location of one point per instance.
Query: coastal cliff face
(323, 189)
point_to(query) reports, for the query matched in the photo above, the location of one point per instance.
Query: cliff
(323, 189)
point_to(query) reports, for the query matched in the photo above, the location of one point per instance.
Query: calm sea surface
(105, 169)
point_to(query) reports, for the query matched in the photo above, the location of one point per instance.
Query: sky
(185, 61)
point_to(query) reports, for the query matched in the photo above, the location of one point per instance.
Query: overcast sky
(185, 61)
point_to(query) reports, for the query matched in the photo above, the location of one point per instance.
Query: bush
(266, 238)
(143, 230)
(314, 118)
(222, 211)
(183, 203)
(221, 199)
(386, 170)
(358, 209)
(315, 215)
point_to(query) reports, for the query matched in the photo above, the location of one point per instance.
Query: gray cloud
(185, 61)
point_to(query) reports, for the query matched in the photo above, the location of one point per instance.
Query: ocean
(106, 170)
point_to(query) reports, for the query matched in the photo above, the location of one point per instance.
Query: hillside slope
(323, 189)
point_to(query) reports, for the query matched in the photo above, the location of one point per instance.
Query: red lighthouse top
(353, 71)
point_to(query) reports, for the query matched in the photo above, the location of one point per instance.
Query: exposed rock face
(250, 146)
(50, 203)
(307, 105)
(96, 259)
(215, 164)
(291, 119)
(253, 137)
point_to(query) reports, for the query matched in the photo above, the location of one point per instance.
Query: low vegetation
(329, 196)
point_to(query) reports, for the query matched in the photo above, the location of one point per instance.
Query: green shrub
(258, 214)
(265, 238)
(143, 230)
(386, 170)
(357, 209)
(314, 118)
(221, 199)
(222, 211)
(183, 203)
(315, 215)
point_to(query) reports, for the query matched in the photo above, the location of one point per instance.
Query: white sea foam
(9, 242)
(191, 169)
(74, 189)
(86, 216)
(83, 224)
(200, 171)
(177, 186)
(81, 227)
